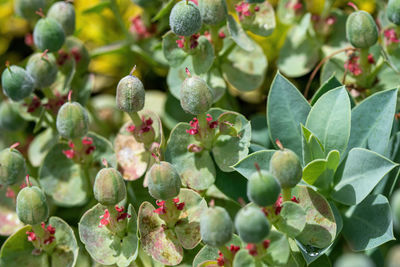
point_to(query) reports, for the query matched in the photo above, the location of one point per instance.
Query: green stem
(227, 255)
(365, 67)
(286, 194)
(215, 39)
(137, 121)
(114, 8)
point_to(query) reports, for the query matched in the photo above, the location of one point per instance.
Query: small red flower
(243, 10)
(76, 54)
(62, 57)
(140, 28)
(69, 153)
(221, 35)
(234, 249)
(49, 240)
(121, 214)
(390, 36)
(105, 218)
(119, 209)
(266, 243)
(130, 128)
(87, 141)
(10, 193)
(161, 209)
(179, 206)
(330, 20)
(353, 66)
(29, 39)
(220, 260)
(256, 8)
(194, 148)
(294, 199)
(31, 236)
(181, 42)
(33, 105)
(252, 248)
(278, 205)
(371, 59)
(194, 124)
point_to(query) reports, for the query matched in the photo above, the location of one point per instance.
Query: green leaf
(62, 179)
(245, 70)
(300, 52)
(259, 130)
(246, 166)
(17, 251)
(292, 219)
(40, 146)
(216, 82)
(279, 250)
(97, 8)
(372, 120)
(174, 55)
(203, 57)
(312, 147)
(262, 22)
(362, 172)
(197, 170)
(104, 246)
(177, 75)
(329, 120)
(67, 249)
(239, 35)
(328, 85)
(244, 259)
(320, 229)
(369, 224)
(228, 150)
(320, 172)
(104, 150)
(232, 184)
(286, 110)
(159, 242)
(164, 10)
(9, 222)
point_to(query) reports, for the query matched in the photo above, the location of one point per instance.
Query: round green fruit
(213, 11)
(286, 167)
(216, 227)
(10, 118)
(72, 120)
(48, 34)
(31, 206)
(252, 225)
(109, 187)
(42, 69)
(130, 94)
(164, 181)
(393, 11)
(12, 167)
(27, 8)
(263, 188)
(185, 19)
(361, 29)
(63, 13)
(17, 83)
(196, 96)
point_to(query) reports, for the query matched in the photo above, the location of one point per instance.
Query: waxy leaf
(372, 120)
(312, 147)
(245, 70)
(261, 22)
(259, 131)
(362, 172)
(369, 224)
(159, 242)
(243, 259)
(174, 54)
(320, 172)
(328, 85)
(40, 146)
(292, 219)
(177, 75)
(197, 170)
(320, 229)
(279, 250)
(329, 120)
(203, 57)
(228, 150)
(246, 166)
(104, 246)
(216, 82)
(62, 179)
(104, 150)
(239, 35)
(286, 110)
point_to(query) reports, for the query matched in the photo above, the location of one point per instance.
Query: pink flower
(278, 205)
(181, 42)
(139, 28)
(130, 128)
(234, 249)
(256, 8)
(371, 59)
(87, 141)
(266, 243)
(252, 248)
(105, 218)
(294, 199)
(31, 236)
(353, 66)
(220, 260)
(194, 124)
(221, 35)
(330, 20)
(161, 209)
(10, 193)
(179, 206)
(69, 153)
(194, 148)
(121, 214)
(390, 36)
(243, 10)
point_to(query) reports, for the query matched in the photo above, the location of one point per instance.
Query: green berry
(130, 94)
(42, 69)
(10, 118)
(216, 227)
(185, 19)
(77, 49)
(361, 29)
(164, 181)
(196, 96)
(48, 34)
(252, 225)
(213, 11)
(27, 8)
(393, 11)
(263, 188)
(31, 206)
(285, 166)
(109, 187)
(17, 83)
(12, 167)
(63, 13)
(72, 120)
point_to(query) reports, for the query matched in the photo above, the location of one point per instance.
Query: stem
(215, 39)
(227, 255)
(114, 8)
(286, 194)
(137, 121)
(321, 64)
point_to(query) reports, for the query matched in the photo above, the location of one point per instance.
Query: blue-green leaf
(203, 57)
(286, 110)
(312, 147)
(174, 54)
(328, 85)
(362, 171)
(246, 166)
(239, 35)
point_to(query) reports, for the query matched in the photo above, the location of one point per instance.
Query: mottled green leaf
(239, 35)
(174, 54)
(203, 56)
(246, 166)
(292, 219)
